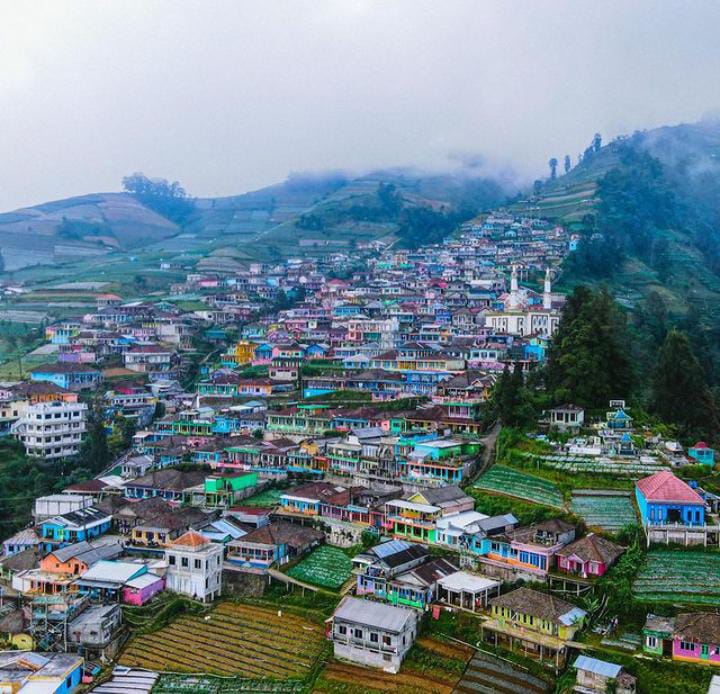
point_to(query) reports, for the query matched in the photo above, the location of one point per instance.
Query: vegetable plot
(677, 576)
(328, 567)
(604, 510)
(506, 480)
(232, 640)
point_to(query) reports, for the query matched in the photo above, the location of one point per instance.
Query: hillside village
(298, 480)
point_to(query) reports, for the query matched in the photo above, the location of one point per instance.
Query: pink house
(696, 638)
(142, 589)
(588, 557)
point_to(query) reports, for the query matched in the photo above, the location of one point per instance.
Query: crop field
(327, 567)
(487, 674)
(677, 576)
(232, 641)
(606, 510)
(597, 466)
(506, 480)
(431, 667)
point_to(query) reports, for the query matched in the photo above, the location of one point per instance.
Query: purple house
(696, 638)
(142, 589)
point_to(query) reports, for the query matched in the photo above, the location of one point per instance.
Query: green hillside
(657, 228)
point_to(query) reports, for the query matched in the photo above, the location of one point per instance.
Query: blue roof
(385, 549)
(599, 667)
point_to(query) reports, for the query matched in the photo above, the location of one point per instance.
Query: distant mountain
(305, 213)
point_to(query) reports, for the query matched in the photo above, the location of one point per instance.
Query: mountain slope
(300, 215)
(647, 208)
(88, 225)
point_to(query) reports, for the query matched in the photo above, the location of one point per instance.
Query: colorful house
(589, 557)
(696, 638)
(541, 623)
(657, 634)
(664, 499)
(68, 375)
(141, 589)
(529, 550)
(76, 526)
(272, 545)
(702, 453)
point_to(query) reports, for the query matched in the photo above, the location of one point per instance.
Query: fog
(229, 96)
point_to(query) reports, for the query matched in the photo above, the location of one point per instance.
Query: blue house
(76, 526)
(663, 499)
(48, 673)
(68, 375)
(702, 453)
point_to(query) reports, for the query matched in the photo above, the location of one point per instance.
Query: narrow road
(488, 454)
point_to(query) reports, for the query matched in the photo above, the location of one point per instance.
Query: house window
(373, 637)
(198, 564)
(171, 560)
(342, 630)
(387, 640)
(651, 642)
(686, 646)
(184, 562)
(358, 633)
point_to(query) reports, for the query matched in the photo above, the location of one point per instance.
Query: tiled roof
(664, 486)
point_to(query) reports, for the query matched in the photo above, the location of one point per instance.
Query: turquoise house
(702, 453)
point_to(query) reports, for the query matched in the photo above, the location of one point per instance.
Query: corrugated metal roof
(599, 667)
(374, 614)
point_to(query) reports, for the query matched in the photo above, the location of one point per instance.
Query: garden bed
(327, 567)
(506, 480)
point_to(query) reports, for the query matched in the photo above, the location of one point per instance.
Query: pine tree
(588, 361)
(680, 393)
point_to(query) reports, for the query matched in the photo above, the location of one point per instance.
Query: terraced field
(487, 674)
(506, 480)
(327, 567)
(677, 576)
(634, 469)
(232, 640)
(606, 510)
(431, 667)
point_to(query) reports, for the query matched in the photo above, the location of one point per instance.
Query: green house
(656, 633)
(225, 491)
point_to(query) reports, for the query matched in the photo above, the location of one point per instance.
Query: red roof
(664, 486)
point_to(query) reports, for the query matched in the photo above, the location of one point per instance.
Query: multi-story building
(51, 430)
(371, 633)
(194, 567)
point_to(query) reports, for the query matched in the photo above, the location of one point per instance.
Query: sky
(230, 96)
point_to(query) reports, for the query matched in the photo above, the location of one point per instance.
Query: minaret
(514, 298)
(547, 291)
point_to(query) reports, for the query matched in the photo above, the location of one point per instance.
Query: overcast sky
(231, 96)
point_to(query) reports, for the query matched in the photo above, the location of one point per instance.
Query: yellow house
(542, 624)
(242, 353)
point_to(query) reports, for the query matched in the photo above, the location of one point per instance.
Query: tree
(568, 163)
(537, 187)
(94, 451)
(588, 361)
(553, 163)
(597, 142)
(680, 394)
(168, 199)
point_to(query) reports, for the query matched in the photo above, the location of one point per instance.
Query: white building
(194, 567)
(372, 633)
(519, 317)
(51, 430)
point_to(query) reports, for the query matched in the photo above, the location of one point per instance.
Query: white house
(194, 567)
(372, 633)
